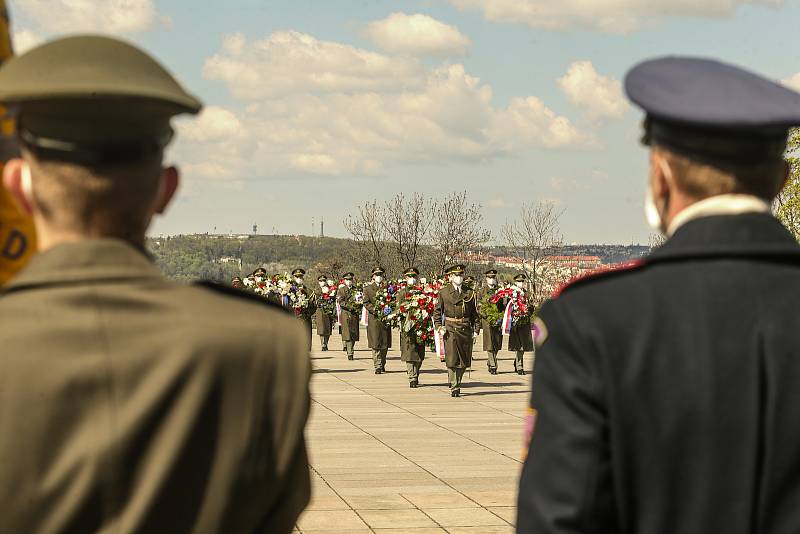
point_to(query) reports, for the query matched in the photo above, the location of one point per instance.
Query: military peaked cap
(491, 272)
(378, 270)
(411, 271)
(711, 110)
(456, 269)
(520, 278)
(348, 276)
(298, 272)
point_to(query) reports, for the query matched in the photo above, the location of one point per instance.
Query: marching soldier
(469, 283)
(456, 318)
(379, 334)
(492, 337)
(148, 406)
(299, 275)
(666, 397)
(411, 352)
(345, 297)
(520, 339)
(323, 319)
(237, 283)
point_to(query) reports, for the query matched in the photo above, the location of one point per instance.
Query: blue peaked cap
(710, 109)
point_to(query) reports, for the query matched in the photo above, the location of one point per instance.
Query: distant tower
(321, 227)
(313, 227)
(255, 229)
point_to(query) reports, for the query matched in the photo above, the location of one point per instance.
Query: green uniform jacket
(129, 403)
(457, 312)
(349, 313)
(492, 337)
(379, 335)
(409, 350)
(323, 322)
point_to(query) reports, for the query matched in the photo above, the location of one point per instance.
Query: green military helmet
(91, 97)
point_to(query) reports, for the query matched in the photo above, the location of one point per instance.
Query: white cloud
(23, 40)
(793, 82)
(417, 35)
(600, 97)
(289, 62)
(498, 203)
(615, 16)
(320, 107)
(107, 16)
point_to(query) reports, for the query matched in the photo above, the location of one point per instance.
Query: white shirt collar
(718, 205)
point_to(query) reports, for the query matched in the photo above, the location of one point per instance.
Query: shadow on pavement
(335, 371)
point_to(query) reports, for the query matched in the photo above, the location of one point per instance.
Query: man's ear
(170, 179)
(787, 172)
(17, 181)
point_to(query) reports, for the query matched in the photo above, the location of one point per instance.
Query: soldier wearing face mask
(299, 275)
(345, 297)
(411, 353)
(492, 337)
(520, 340)
(379, 335)
(456, 319)
(323, 321)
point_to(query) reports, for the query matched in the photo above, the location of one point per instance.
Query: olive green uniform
(456, 311)
(379, 334)
(492, 337)
(410, 352)
(309, 312)
(520, 341)
(134, 404)
(324, 324)
(349, 319)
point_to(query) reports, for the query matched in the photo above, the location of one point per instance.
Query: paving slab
(390, 459)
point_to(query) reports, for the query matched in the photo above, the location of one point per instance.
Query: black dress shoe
(492, 371)
(378, 371)
(412, 385)
(349, 356)
(455, 393)
(520, 371)
(324, 349)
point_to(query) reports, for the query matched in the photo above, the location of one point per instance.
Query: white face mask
(411, 281)
(322, 284)
(491, 282)
(520, 284)
(298, 280)
(378, 279)
(348, 283)
(651, 213)
(330, 282)
(457, 280)
(258, 278)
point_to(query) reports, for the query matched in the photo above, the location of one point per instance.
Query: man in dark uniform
(456, 318)
(379, 334)
(237, 283)
(520, 339)
(345, 297)
(299, 275)
(131, 403)
(492, 337)
(322, 317)
(665, 395)
(469, 282)
(411, 352)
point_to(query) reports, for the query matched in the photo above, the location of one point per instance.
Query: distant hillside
(214, 257)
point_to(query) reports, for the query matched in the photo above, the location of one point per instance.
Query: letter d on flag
(17, 238)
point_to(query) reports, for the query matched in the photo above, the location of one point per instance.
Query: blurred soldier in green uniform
(520, 339)
(456, 318)
(411, 352)
(379, 334)
(345, 297)
(299, 275)
(131, 403)
(469, 283)
(492, 337)
(322, 319)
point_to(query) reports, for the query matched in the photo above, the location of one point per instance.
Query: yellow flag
(17, 237)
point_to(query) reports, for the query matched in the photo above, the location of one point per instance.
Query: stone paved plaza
(389, 459)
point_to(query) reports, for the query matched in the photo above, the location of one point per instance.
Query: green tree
(787, 205)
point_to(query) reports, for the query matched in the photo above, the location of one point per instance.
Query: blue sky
(315, 106)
